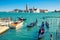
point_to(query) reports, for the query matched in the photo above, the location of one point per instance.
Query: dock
(3, 29)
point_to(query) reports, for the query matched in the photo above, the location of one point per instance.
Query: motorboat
(16, 25)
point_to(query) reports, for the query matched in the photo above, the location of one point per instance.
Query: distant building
(20, 10)
(43, 10)
(27, 10)
(15, 10)
(31, 10)
(36, 11)
(24, 11)
(56, 10)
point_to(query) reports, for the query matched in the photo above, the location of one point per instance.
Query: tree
(55, 11)
(20, 11)
(16, 10)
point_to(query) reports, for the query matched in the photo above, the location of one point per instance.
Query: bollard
(51, 37)
(56, 35)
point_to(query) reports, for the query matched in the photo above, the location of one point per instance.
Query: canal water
(26, 33)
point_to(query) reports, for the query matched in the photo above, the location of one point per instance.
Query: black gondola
(47, 24)
(23, 19)
(32, 24)
(41, 31)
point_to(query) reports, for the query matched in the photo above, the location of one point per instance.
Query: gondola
(23, 19)
(41, 31)
(47, 25)
(32, 24)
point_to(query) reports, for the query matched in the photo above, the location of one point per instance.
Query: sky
(8, 5)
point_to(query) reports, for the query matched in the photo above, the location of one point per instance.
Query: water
(25, 33)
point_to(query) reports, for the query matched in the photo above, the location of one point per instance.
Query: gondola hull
(31, 25)
(40, 36)
(23, 19)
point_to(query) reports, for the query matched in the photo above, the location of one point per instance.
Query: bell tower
(27, 10)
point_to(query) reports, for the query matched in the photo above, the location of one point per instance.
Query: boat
(47, 24)
(41, 31)
(23, 19)
(16, 25)
(42, 25)
(5, 21)
(32, 24)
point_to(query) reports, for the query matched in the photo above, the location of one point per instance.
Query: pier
(3, 29)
